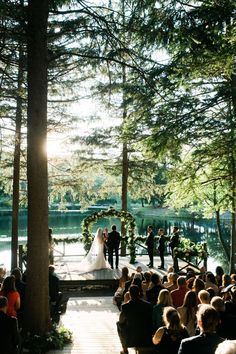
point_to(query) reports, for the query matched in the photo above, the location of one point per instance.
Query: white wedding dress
(95, 259)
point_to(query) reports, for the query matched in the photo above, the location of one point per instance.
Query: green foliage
(123, 215)
(188, 249)
(57, 338)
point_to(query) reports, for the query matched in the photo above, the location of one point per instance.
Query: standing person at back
(150, 245)
(174, 242)
(113, 243)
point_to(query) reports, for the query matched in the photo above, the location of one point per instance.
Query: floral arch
(124, 216)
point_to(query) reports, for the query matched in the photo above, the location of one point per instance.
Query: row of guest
(12, 298)
(134, 329)
(189, 295)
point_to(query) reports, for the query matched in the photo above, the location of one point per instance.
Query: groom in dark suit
(113, 243)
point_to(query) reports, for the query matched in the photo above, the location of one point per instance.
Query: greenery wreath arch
(124, 216)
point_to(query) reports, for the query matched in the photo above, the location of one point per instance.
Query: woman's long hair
(164, 298)
(190, 302)
(124, 274)
(8, 285)
(171, 319)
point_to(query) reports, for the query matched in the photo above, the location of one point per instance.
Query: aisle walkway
(93, 323)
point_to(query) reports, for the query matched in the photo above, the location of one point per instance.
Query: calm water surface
(68, 224)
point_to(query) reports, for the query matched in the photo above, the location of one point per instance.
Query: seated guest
(53, 284)
(154, 289)
(207, 341)
(219, 275)
(198, 285)
(211, 282)
(2, 274)
(211, 292)
(118, 296)
(226, 347)
(139, 270)
(165, 276)
(8, 290)
(19, 283)
(167, 338)
(137, 280)
(171, 284)
(9, 337)
(204, 297)
(226, 280)
(230, 304)
(164, 299)
(20, 287)
(188, 312)
(146, 283)
(54, 294)
(135, 322)
(128, 283)
(226, 327)
(179, 293)
(190, 277)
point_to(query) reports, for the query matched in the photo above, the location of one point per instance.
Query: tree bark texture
(37, 319)
(233, 182)
(16, 163)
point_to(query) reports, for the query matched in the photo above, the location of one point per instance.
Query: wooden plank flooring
(92, 321)
(66, 268)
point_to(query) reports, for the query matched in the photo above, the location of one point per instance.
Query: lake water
(68, 224)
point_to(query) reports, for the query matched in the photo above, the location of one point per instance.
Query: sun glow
(56, 146)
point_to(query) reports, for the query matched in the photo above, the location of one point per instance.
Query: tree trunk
(125, 162)
(125, 165)
(37, 318)
(233, 222)
(16, 163)
(233, 183)
(233, 215)
(219, 231)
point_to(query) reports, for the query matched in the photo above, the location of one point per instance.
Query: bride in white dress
(95, 259)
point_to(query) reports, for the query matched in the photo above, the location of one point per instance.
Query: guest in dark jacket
(9, 337)
(207, 341)
(227, 325)
(135, 322)
(53, 284)
(154, 290)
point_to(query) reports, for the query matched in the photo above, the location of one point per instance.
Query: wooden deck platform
(71, 279)
(92, 321)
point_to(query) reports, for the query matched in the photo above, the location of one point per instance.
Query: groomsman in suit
(161, 247)
(174, 242)
(113, 243)
(150, 245)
